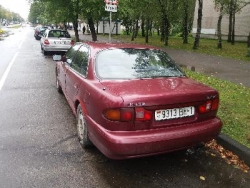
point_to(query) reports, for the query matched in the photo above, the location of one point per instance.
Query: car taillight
(143, 115)
(128, 114)
(72, 42)
(209, 105)
(121, 114)
(46, 41)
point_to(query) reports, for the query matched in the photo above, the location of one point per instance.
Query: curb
(228, 143)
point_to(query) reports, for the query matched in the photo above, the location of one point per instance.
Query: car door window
(80, 62)
(72, 52)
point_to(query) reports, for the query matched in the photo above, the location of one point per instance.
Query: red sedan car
(133, 100)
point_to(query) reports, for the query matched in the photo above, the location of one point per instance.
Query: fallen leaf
(228, 156)
(202, 178)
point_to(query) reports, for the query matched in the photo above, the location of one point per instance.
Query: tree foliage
(139, 17)
(9, 16)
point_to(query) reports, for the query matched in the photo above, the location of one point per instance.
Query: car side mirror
(57, 58)
(69, 61)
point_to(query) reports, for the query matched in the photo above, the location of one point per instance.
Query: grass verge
(234, 106)
(207, 46)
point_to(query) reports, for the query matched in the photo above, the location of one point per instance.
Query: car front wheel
(82, 129)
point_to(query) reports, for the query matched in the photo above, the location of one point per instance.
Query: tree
(233, 7)
(219, 4)
(199, 20)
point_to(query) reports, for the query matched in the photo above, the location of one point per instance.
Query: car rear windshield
(130, 63)
(59, 33)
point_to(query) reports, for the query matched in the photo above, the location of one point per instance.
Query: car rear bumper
(133, 144)
(55, 49)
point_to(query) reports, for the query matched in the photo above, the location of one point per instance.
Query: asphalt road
(39, 146)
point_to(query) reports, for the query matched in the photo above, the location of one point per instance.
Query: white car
(55, 40)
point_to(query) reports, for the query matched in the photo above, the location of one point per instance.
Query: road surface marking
(7, 71)
(21, 43)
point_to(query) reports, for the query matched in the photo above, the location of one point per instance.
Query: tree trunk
(92, 29)
(142, 28)
(116, 31)
(163, 28)
(248, 45)
(167, 25)
(229, 37)
(219, 45)
(185, 23)
(150, 28)
(233, 28)
(147, 29)
(199, 20)
(133, 32)
(75, 26)
(136, 28)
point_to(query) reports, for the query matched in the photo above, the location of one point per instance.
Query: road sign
(111, 8)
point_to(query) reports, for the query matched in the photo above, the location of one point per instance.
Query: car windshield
(130, 63)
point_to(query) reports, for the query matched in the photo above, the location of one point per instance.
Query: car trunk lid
(163, 94)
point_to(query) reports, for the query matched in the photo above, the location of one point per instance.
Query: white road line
(7, 71)
(21, 43)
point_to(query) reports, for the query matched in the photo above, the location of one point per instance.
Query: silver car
(55, 40)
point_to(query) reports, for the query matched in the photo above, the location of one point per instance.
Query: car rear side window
(130, 63)
(81, 59)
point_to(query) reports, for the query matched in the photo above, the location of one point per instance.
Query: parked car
(55, 40)
(133, 100)
(39, 30)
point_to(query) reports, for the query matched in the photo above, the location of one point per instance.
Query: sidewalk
(224, 68)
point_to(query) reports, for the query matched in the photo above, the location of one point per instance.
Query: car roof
(102, 45)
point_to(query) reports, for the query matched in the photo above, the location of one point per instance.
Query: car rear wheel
(45, 52)
(82, 129)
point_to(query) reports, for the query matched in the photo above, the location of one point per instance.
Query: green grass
(234, 106)
(234, 98)
(207, 46)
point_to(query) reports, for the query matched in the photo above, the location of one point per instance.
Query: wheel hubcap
(80, 126)
(57, 84)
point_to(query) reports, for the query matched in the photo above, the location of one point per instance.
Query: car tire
(58, 87)
(82, 129)
(45, 52)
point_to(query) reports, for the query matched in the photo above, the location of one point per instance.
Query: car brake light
(215, 104)
(46, 42)
(143, 115)
(209, 105)
(72, 42)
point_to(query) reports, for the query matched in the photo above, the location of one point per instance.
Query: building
(210, 19)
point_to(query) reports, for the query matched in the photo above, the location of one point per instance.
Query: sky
(18, 6)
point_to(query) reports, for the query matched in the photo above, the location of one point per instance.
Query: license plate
(174, 113)
(60, 42)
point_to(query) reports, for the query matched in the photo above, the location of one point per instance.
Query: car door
(76, 73)
(64, 66)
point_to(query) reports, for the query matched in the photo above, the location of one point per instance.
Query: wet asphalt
(39, 146)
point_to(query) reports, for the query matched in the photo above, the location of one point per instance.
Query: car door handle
(76, 86)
